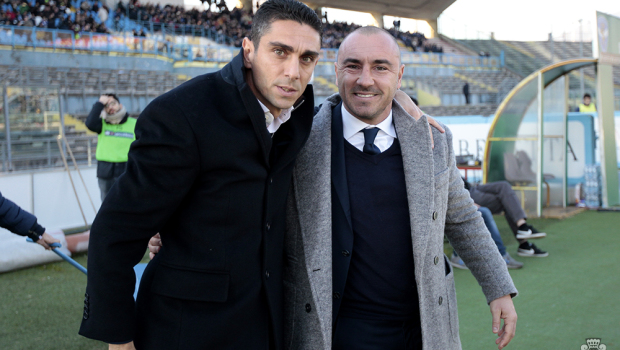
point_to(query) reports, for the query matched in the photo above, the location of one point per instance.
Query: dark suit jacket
(206, 174)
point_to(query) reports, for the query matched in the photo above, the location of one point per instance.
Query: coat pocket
(442, 177)
(189, 284)
(290, 304)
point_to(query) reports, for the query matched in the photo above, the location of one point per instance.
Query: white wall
(50, 197)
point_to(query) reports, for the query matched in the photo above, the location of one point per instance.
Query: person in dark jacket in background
(21, 222)
(110, 120)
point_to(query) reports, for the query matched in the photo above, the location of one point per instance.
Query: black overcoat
(206, 174)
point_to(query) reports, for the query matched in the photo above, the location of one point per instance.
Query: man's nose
(365, 78)
(292, 69)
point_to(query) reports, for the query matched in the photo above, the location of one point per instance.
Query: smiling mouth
(364, 95)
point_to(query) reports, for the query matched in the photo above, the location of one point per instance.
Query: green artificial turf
(563, 299)
(41, 308)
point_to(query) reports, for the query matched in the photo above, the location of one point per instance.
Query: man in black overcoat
(210, 171)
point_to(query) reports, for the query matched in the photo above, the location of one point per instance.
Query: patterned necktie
(268, 118)
(369, 141)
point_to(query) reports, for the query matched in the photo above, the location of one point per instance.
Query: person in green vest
(110, 120)
(587, 106)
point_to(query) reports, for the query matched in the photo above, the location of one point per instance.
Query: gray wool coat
(433, 185)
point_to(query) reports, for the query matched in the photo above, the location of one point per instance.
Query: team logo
(593, 344)
(603, 33)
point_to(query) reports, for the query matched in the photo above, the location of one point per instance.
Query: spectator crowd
(76, 15)
(92, 16)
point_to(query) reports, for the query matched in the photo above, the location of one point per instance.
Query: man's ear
(336, 70)
(248, 52)
(401, 71)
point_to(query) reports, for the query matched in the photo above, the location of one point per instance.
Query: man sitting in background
(487, 216)
(499, 197)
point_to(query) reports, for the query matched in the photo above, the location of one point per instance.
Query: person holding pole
(21, 222)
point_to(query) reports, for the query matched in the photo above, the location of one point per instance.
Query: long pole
(79, 173)
(64, 160)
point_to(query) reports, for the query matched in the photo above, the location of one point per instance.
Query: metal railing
(43, 152)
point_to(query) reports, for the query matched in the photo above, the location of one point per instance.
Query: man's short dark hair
(587, 95)
(114, 97)
(279, 10)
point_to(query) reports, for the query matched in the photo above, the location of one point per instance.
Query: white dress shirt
(352, 128)
(277, 120)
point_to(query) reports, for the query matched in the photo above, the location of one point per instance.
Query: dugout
(528, 142)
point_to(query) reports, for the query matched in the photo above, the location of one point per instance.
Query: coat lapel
(234, 73)
(292, 135)
(417, 156)
(339, 171)
(342, 229)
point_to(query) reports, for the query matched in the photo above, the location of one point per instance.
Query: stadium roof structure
(417, 9)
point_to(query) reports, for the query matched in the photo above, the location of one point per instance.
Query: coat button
(345, 253)
(436, 260)
(85, 315)
(336, 295)
(268, 227)
(434, 215)
(440, 300)
(267, 274)
(271, 180)
(308, 308)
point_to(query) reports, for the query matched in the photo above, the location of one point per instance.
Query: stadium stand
(525, 57)
(143, 19)
(32, 146)
(76, 15)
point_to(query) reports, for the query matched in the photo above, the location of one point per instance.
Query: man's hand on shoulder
(503, 309)
(126, 346)
(405, 101)
(154, 245)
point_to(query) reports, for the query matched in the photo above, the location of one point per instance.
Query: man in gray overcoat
(369, 205)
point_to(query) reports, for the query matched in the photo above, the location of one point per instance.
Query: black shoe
(526, 231)
(531, 250)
